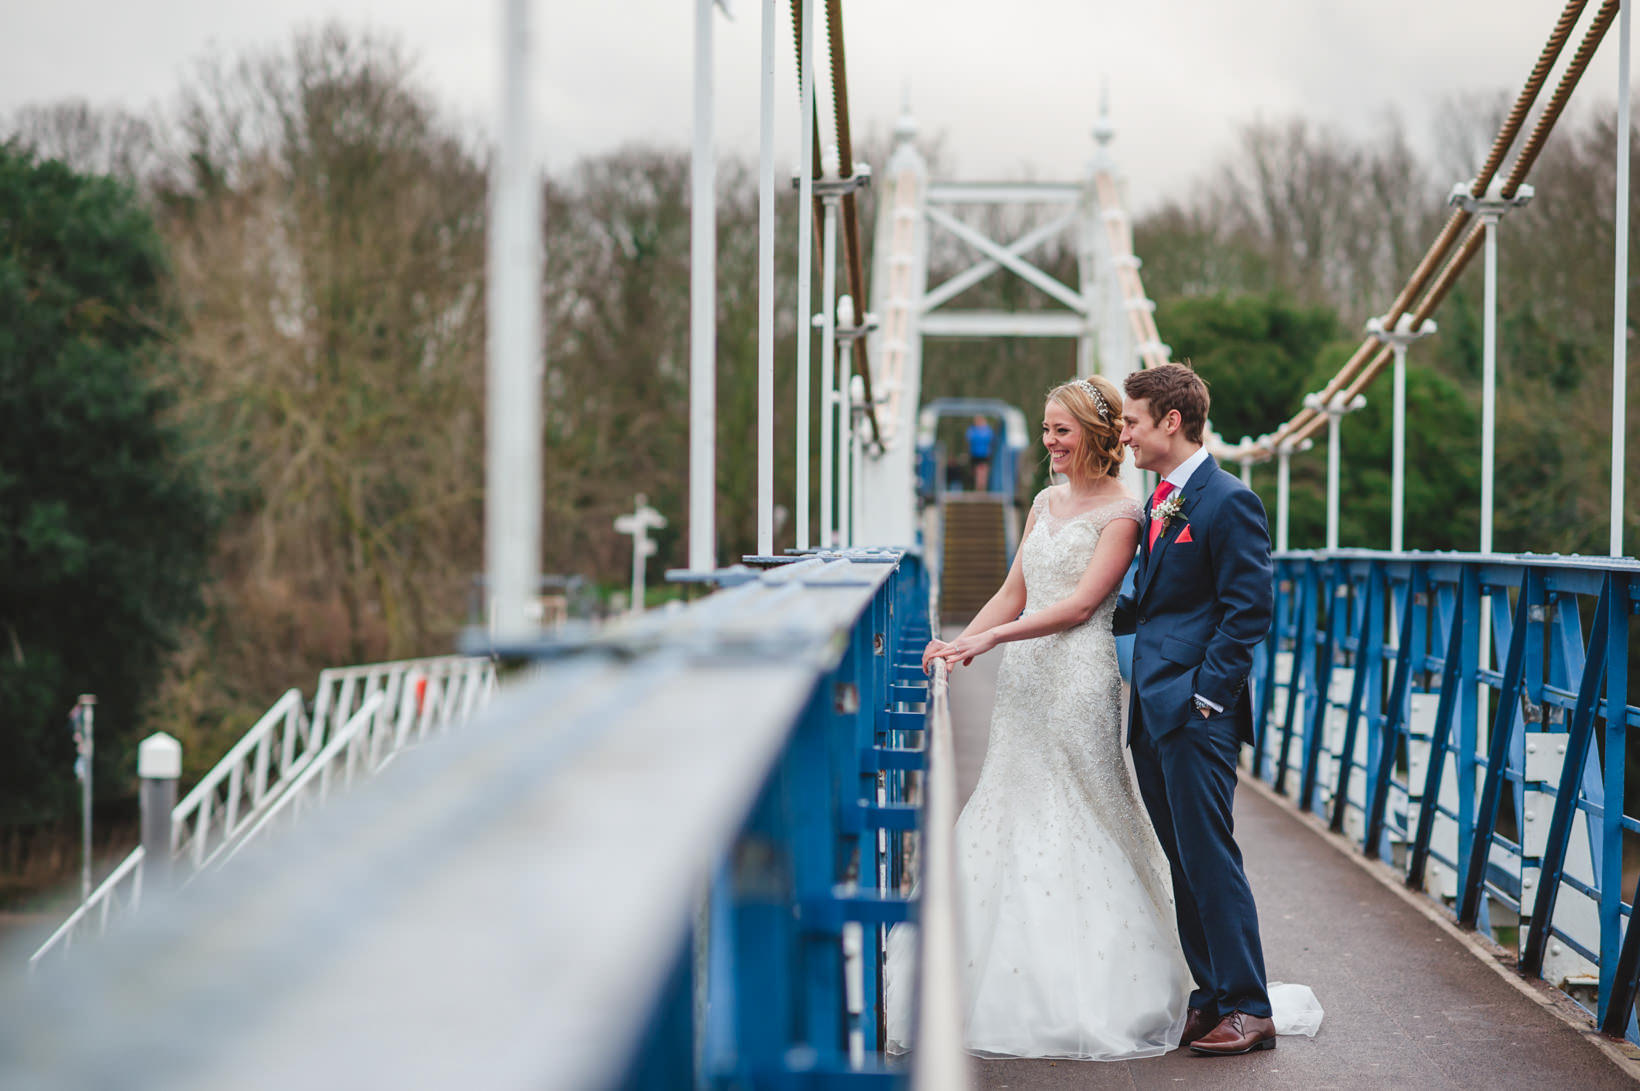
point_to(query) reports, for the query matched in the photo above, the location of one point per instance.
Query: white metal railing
(312, 786)
(382, 708)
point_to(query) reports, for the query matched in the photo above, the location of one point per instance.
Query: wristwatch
(1201, 706)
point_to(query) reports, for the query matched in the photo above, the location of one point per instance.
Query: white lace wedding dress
(1069, 942)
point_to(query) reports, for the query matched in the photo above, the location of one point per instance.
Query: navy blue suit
(1198, 611)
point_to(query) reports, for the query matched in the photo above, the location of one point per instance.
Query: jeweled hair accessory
(1098, 399)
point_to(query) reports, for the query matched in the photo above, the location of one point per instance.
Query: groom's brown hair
(1167, 387)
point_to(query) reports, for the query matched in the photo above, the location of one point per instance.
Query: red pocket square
(1184, 536)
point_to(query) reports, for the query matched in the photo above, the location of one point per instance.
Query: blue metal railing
(1497, 785)
(664, 856)
(800, 909)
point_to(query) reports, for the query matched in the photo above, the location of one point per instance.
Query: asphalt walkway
(1409, 1002)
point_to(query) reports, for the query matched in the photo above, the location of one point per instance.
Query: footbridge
(667, 852)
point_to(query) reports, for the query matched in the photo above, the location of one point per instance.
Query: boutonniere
(1168, 509)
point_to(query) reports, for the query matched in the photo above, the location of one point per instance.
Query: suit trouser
(1187, 779)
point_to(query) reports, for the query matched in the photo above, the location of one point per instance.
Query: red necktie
(1156, 498)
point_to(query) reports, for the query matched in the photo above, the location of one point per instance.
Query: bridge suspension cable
(1369, 360)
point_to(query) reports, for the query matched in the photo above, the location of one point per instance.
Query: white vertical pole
(1283, 465)
(703, 309)
(1489, 393)
(845, 425)
(1398, 453)
(1620, 319)
(805, 261)
(765, 295)
(857, 451)
(1247, 472)
(1335, 423)
(512, 508)
(828, 365)
(1489, 382)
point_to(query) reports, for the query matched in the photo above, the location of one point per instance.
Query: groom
(1200, 606)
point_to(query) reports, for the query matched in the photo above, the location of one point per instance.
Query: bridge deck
(1408, 1003)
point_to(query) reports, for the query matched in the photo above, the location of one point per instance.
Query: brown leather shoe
(1236, 1033)
(1196, 1025)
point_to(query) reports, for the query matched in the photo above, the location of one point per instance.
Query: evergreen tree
(104, 525)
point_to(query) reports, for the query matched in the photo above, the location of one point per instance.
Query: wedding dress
(1068, 942)
(1064, 901)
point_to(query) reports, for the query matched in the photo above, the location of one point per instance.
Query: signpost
(642, 520)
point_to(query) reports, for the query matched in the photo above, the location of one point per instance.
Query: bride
(1069, 946)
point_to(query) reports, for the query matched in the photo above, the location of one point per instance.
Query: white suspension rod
(1489, 382)
(703, 308)
(1283, 466)
(1398, 455)
(765, 294)
(1620, 318)
(805, 262)
(512, 499)
(828, 369)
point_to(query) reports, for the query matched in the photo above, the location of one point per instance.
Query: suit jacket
(1199, 608)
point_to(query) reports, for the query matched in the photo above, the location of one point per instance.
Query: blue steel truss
(1536, 739)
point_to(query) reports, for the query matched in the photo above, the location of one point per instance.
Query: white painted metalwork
(765, 291)
(341, 757)
(940, 1060)
(1335, 408)
(703, 308)
(1620, 286)
(639, 523)
(512, 499)
(1283, 494)
(805, 263)
(410, 697)
(827, 320)
(1398, 339)
(845, 423)
(885, 482)
(1490, 209)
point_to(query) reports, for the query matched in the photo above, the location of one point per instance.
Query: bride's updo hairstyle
(1097, 406)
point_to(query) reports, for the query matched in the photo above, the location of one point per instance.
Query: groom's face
(1151, 441)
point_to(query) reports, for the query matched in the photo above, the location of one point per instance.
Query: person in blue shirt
(979, 452)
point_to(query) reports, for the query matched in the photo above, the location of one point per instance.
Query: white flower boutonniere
(1168, 509)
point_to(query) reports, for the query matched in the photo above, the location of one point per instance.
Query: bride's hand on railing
(966, 647)
(931, 653)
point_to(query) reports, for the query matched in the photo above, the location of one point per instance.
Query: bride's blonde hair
(1096, 405)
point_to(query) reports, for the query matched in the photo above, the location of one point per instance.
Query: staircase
(289, 761)
(975, 538)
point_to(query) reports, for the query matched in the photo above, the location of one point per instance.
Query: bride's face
(1061, 435)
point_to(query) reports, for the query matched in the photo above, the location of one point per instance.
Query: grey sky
(1012, 87)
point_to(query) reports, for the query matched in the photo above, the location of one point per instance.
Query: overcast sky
(1013, 87)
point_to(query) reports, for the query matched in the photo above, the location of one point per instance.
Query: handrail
(260, 768)
(129, 869)
(320, 767)
(939, 1063)
(1368, 710)
(523, 898)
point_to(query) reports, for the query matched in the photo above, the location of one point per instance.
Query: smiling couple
(1105, 913)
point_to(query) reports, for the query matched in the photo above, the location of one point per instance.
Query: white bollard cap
(159, 757)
